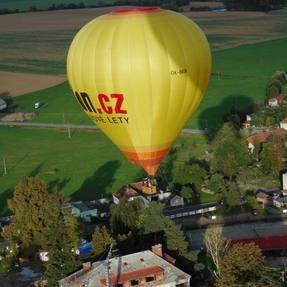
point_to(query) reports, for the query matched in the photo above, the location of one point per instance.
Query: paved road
(94, 127)
(72, 126)
(241, 231)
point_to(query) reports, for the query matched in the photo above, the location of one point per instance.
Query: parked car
(210, 215)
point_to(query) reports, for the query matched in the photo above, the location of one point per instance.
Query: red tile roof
(266, 243)
(127, 276)
(262, 137)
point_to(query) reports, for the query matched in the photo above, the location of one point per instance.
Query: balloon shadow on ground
(96, 186)
(233, 108)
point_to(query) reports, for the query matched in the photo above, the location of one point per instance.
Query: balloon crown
(136, 10)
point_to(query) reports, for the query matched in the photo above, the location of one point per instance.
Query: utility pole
(4, 166)
(108, 282)
(69, 130)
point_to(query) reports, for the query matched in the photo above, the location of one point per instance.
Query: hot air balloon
(139, 74)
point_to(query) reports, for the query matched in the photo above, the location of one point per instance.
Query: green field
(244, 72)
(24, 5)
(86, 166)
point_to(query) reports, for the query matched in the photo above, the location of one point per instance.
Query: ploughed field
(37, 42)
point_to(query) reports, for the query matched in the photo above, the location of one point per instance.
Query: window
(135, 282)
(149, 279)
(119, 285)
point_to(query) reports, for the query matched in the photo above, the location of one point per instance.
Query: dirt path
(15, 84)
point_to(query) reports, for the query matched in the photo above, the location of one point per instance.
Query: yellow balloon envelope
(139, 74)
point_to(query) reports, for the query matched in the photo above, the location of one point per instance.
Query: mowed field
(85, 167)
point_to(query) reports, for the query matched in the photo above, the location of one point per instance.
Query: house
(146, 268)
(271, 192)
(284, 183)
(131, 192)
(283, 124)
(247, 123)
(176, 201)
(275, 101)
(91, 209)
(280, 202)
(264, 198)
(140, 190)
(263, 137)
(190, 210)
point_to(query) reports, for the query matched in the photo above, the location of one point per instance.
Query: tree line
(254, 5)
(167, 4)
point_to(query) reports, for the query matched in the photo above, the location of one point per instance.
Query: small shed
(177, 201)
(275, 101)
(280, 202)
(80, 209)
(264, 198)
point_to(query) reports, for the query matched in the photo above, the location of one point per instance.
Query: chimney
(87, 266)
(157, 249)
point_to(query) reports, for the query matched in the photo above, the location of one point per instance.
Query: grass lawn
(243, 74)
(24, 5)
(87, 166)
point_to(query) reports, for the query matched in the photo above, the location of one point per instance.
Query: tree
(125, 216)
(271, 156)
(31, 207)
(232, 195)
(101, 239)
(73, 229)
(186, 192)
(183, 174)
(153, 219)
(197, 176)
(154, 222)
(240, 266)
(58, 243)
(253, 5)
(216, 246)
(217, 183)
(191, 174)
(230, 152)
(175, 238)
